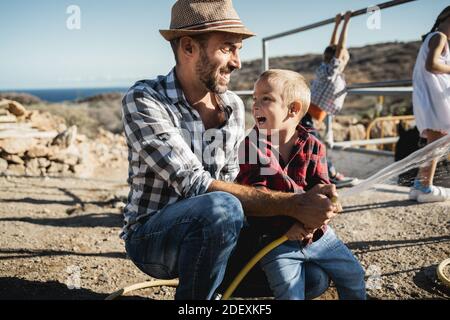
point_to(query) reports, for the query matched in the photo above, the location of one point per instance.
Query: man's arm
(313, 208)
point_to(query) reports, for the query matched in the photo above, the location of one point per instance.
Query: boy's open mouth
(261, 120)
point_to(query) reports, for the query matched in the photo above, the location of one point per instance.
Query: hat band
(215, 25)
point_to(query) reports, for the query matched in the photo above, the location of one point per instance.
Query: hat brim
(178, 33)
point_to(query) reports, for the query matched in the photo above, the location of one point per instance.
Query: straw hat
(192, 17)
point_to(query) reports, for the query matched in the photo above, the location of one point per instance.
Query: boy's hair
(329, 53)
(294, 87)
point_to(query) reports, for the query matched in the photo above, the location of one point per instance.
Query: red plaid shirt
(306, 167)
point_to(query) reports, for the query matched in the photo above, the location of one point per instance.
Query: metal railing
(388, 88)
(265, 41)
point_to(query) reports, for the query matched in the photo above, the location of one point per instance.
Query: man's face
(218, 58)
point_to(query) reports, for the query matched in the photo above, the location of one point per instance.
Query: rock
(22, 98)
(340, 132)
(357, 132)
(67, 158)
(43, 162)
(3, 165)
(33, 164)
(33, 172)
(55, 167)
(17, 109)
(18, 145)
(83, 170)
(13, 158)
(38, 151)
(46, 121)
(16, 169)
(66, 138)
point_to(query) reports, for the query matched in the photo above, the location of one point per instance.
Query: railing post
(329, 138)
(265, 57)
(379, 106)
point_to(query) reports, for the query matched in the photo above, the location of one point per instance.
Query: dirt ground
(59, 240)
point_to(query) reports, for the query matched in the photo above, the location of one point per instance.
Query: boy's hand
(348, 15)
(338, 18)
(299, 232)
(314, 207)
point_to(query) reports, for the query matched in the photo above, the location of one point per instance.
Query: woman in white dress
(431, 102)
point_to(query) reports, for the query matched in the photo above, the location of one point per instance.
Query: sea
(60, 95)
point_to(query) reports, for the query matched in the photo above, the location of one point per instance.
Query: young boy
(297, 163)
(328, 89)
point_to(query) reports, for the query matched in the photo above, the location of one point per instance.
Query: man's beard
(207, 73)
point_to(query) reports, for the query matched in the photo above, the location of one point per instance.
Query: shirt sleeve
(151, 132)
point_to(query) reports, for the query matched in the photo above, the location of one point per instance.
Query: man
(184, 213)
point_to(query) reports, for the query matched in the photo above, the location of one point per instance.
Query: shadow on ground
(12, 288)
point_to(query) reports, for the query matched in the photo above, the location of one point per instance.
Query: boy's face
(269, 109)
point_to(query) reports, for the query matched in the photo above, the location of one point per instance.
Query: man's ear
(187, 46)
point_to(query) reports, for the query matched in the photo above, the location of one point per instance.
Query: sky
(118, 42)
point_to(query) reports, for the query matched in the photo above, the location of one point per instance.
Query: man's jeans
(192, 240)
(285, 268)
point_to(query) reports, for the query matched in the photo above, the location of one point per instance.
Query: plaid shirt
(328, 90)
(306, 167)
(171, 155)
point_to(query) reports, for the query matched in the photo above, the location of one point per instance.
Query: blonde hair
(293, 85)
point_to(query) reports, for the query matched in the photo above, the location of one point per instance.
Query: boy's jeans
(284, 268)
(192, 239)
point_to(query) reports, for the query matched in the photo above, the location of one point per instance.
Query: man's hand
(299, 232)
(338, 18)
(315, 208)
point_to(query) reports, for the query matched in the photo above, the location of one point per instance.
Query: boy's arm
(341, 50)
(338, 20)
(436, 46)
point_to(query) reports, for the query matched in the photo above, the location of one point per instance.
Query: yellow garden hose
(142, 285)
(227, 294)
(440, 272)
(250, 265)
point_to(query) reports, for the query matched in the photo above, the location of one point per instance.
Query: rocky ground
(59, 240)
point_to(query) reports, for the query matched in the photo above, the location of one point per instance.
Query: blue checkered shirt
(171, 155)
(328, 89)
